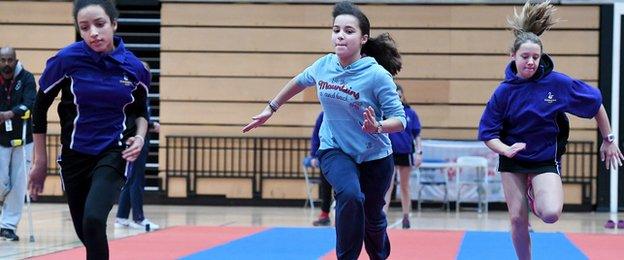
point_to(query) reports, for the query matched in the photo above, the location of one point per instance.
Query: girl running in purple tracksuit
(524, 122)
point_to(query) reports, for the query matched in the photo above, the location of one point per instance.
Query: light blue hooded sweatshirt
(344, 93)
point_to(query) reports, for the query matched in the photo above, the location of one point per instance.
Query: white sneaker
(122, 222)
(142, 225)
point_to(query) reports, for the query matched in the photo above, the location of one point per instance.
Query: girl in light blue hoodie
(356, 90)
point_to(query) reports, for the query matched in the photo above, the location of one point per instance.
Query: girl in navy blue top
(102, 112)
(524, 122)
(407, 153)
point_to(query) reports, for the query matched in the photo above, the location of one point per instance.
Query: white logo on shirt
(125, 81)
(550, 98)
(18, 85)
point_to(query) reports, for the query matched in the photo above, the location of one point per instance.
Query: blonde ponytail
(531, 22)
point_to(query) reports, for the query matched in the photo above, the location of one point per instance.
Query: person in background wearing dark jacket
(17, 95)
(325, 188)
(407, 153)
(520, 122)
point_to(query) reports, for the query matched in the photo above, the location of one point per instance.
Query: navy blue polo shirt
(99, 92)
(526, 110)
(403, 142)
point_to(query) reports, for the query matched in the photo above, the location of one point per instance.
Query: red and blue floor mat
(191, 243)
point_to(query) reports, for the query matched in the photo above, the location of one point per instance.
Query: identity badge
(8, 125)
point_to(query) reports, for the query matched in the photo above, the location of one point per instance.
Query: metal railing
(53, 147)
(578, 167)
(254, 158)
(261, 158)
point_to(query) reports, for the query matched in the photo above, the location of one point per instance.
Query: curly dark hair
(107, 5)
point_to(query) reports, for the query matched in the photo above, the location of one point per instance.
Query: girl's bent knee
(550, 217)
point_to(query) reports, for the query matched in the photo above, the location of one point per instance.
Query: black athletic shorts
(516, 166)
(403, 159)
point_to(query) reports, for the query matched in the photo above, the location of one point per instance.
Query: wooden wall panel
(53, 117)
(435, 91)
(305, 114)
(234, 130)
(231, 188)
(235, 113)
(52, 186)
(486, 67)
(573, 193)
(415, 66)
(34, 60)
(37, 29)
(471, 134)
(231, 89)
(284, 189)
(36, 12)
(48, 37)
(442, 41)
(392, 16)
(177, 187)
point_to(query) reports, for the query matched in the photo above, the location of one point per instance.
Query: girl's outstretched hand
(610, 154)
(258, 119)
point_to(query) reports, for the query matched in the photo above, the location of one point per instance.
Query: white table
(440, 156)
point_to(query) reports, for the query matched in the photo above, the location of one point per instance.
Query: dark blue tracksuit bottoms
(359, 190)
(131, 196)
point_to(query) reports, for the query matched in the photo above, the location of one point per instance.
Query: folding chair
(434, 174)
(480, 165)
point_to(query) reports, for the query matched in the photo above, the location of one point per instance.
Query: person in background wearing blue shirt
(131, 196)
(355, 88)
(520, 122)
(102, 84)
(404, 145)
(324, 186)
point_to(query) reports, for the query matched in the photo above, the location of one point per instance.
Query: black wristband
(272, 106)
